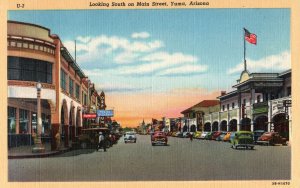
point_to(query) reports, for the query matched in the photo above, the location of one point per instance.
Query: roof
(65, 53)
(204, 103)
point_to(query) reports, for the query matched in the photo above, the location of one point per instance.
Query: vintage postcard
(150, 93)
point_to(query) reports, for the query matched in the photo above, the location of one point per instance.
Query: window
(23, 121)
(71, 87)
(289, 91)
(27, 69)
(244, 101)
(63, 78)
(258, 98)
(223, 107)
(227, 106)
(232, 106)
(77, 91)
(11, 123)
(85, 99)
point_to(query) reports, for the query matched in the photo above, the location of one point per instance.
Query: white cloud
(84, 39)
(118, 87)
(158, 61)
(142, 35)
(95, 48)
(184, 70)
(272, 63)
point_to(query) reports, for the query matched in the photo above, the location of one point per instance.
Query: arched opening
(72, 123)
(245, 124)
(207, 127)
(184, 128)
(193, 128)
(78, 122)
(223, 125)
(261, 123)
(64, 123)
(215, 126)
(281, 125)
(233, 125)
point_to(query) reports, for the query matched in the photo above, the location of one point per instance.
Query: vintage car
(208, 136)
(179, 134)
(197, 134)
(203, 135)
(159, 138)
(271, 138)
(186, 134)
(242, 139)
(90, 137)
(226, 137)
(174, 134)
(221, 136)
(215, 135)
(130, 137)
(257, 134)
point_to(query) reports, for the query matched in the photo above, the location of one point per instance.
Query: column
(17, 120)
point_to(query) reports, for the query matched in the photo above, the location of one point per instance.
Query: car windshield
(267, 134)
(130, 133)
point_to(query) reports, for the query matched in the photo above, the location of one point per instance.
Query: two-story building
(35, 55)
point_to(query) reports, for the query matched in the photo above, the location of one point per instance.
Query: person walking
(101, 143)
(191, 137)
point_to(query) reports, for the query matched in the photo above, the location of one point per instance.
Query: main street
(181, 160)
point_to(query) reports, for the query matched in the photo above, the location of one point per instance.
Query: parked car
(90, 137)
(203, 135)
(221, 136)
(215, 135)
(271, 138)
(179, 134)
(130, 137)
(197, 134)
(185, 134)
(159, 138)
(242, 139)
(209, 136)
(174, 134)
(232, 134)
(258, 134)
(226, 138)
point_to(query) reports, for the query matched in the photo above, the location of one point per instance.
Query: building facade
(35, 55)
(260, 101)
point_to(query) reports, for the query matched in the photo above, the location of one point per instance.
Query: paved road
(181, 160)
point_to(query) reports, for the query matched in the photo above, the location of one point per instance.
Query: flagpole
(245, 64)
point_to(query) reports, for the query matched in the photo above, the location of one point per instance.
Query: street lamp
(38, 147)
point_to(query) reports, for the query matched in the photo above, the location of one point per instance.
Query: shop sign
(277, 107)
(105, 113)
(89, 116)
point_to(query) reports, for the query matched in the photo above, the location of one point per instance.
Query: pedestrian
(101, 143)
(191, 137)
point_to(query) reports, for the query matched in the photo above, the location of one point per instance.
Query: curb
(40, 155)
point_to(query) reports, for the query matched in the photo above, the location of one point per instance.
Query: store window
(24, 120)
(77, 91)
(71, 87)
(63, 80)
(27, 69)
(11, 123)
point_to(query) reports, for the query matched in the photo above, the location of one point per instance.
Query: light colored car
(130, 137)
(203, 135)
(197, 134)
(186, 134)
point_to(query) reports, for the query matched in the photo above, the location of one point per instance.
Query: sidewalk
(26, 152)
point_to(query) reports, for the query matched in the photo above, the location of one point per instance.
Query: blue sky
(164, 50)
